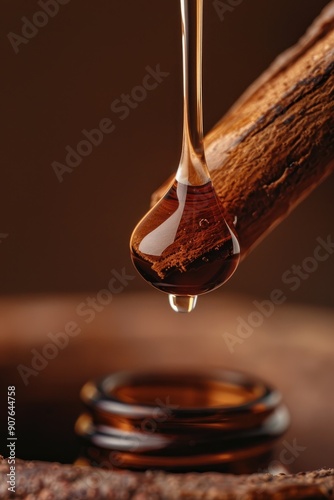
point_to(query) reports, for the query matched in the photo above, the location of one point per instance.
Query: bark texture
(43, 481)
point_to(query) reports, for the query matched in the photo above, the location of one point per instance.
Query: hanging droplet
(174, 252)
(182, 303)
(183, 246)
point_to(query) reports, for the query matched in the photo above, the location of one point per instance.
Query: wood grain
(42, 480)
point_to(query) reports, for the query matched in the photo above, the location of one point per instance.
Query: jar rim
(115, 394)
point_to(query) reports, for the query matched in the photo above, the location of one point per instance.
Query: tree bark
(276, 144)
(42, 480)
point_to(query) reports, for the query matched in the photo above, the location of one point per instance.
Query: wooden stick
(276, 144)
(46, 480)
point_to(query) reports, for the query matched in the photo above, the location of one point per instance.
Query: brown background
(67, 236)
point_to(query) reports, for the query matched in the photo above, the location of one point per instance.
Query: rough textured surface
(276, 144)
(38, 480)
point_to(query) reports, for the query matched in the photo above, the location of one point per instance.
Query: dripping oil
(184, 245)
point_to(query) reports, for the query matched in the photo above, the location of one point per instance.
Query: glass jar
(216, 420)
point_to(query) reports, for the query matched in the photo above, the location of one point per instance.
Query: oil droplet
(183, 303)
(190, 262)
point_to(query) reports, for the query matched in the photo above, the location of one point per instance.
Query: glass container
(217, 420)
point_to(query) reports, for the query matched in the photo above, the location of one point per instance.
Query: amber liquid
(184, 246)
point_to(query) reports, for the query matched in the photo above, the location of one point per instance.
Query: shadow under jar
(216, 420)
